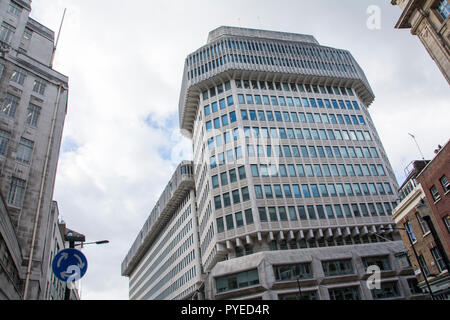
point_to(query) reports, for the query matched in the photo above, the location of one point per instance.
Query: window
(382, 262)
(33, 115)
(423, 224)
(40, 85)
(446, 221)
(347, 293)
(445, 184)
(16, 192)
(293, 272)
(414, 286)
(237, 281)
(387, 290)
(10, 104)
(6, 32)
(230, 222)
(438, 258)
(4, 139)
(14, 9)
(444, 9)
(220, 225)
(249, 216)
(245, 194)
(24, 151)
(239, 219)
(435, 193)
(337, 267)
(262, 214)
(19, 76)
(310, 295)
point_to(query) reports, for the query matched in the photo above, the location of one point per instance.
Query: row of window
(263, 152)
(272, 61)
(297, 191)
(309, 212)
(24, 150)
(308, 170)
(445, 186)
(235, 221)
(253, 115)
(316, 170)
(19, 74)
(280, 48)
(9, 108)
(310, 118)
(282, 101)
(293, 87)
(304, 271)
(235, 197)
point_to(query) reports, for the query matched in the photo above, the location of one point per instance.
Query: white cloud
(125, 63)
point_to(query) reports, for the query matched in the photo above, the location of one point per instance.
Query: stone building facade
(33, 102)
(428, 19)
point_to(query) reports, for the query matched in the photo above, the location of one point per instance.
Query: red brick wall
(430, 177)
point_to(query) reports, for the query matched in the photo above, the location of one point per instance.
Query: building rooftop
(262, 34)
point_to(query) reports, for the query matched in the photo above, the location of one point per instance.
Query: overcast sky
(125, 63)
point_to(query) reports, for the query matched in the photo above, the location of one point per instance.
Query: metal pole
(420, 266)
(437, 240)
(417, 258)
(67, 292)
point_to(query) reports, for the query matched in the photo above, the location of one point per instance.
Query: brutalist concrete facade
(293, 189)
(33, 99)
(271, 115)
(164, 261)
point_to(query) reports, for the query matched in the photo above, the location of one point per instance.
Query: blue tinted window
(225, 120)
(233, 117)
(222, 104)
(208, 125)
(244, 114)
(305, 102)
(230, 101)
(361, 120)
(207, 110)
(241, 99)
(217, 123)
(335, 105)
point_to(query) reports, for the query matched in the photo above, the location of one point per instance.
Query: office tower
(163, 262)
(33, 101)
(293, 187)
(429, 21)
(296, 178)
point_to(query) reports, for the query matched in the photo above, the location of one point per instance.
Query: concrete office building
(291, 179)
(33, 105)
(164, 261)
(428, 19)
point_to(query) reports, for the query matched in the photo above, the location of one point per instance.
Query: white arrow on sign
(64, 256)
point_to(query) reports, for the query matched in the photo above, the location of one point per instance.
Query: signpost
(69, 265)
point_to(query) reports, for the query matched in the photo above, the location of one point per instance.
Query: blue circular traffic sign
(69, 265)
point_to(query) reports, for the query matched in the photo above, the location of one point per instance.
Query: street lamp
(417, 258)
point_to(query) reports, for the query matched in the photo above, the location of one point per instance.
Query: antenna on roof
(57, 38)
(420, 151)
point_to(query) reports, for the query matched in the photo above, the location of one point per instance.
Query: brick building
(423, 214)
